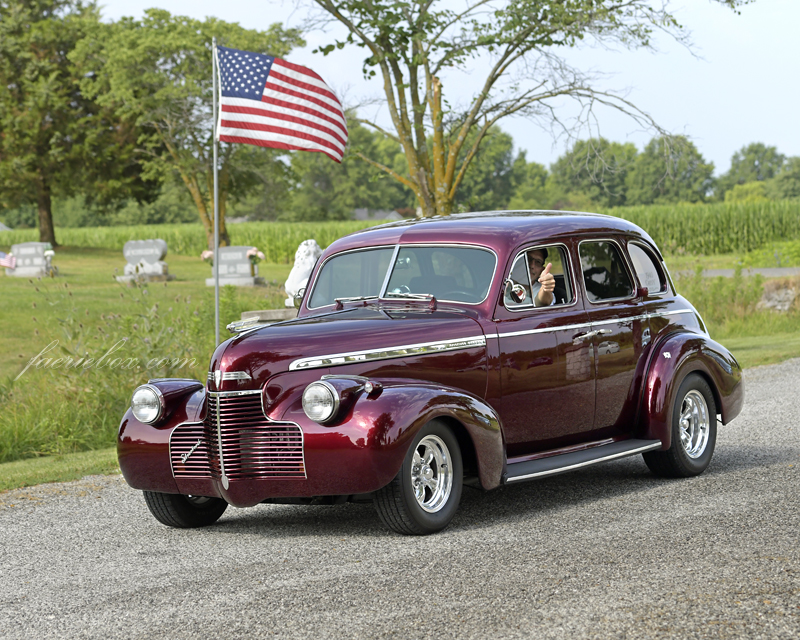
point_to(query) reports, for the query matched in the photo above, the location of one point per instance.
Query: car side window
(527, 269)
(604, 273)
(647, 269)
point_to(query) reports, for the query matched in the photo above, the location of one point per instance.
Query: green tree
(752, 163)
(529, 191)
(669, 170)
(54, 140)
(326, 190)
(594, 169)
(493, 175)
(157, 71)
(413, 44)
(748, 192)
(787, 183)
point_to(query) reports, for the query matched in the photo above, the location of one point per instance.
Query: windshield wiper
(339, 301)
(354, 298)
(411, 296)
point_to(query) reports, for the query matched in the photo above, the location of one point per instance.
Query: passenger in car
(543, 283)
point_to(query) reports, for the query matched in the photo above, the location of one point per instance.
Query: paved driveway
(608, 552)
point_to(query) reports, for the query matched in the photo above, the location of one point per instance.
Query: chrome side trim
(586, 325)
(388, 353)
(613, 456)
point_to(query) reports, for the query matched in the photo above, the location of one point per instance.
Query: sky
(738, 85)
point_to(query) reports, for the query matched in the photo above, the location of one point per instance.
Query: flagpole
(216, 195)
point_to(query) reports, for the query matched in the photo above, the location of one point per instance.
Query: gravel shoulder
(607, 552)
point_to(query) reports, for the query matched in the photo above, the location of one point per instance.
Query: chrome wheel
(694, 424)
(432, 473)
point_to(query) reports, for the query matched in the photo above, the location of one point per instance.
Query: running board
(531, 469)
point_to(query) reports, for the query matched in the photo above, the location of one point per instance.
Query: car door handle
(592, 334)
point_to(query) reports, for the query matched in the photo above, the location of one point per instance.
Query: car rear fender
(672, 359)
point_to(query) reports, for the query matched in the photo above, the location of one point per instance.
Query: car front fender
(383, 424)
(143, 449)
(678, 355)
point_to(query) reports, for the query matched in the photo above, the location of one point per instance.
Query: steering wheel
(469, 295)
(401, 289)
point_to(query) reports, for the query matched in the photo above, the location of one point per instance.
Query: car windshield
(457, 274)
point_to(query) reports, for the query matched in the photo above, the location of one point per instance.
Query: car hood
(255, 356)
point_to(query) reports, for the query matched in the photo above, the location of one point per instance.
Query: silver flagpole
(216, 197)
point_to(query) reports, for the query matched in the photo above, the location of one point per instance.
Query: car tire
(694, 432)
(184, 512)
(424, 496)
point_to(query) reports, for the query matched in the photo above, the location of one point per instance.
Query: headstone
(235, 268)
(305, 258)
(145, 261)
(33, 260)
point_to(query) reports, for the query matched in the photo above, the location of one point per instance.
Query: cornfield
(708, 229)
(703, 229)
(278, 240)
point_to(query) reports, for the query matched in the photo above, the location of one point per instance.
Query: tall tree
(329, 191)
(530, 188)
(754, 162)
(595, 168)
(787, 183)
(669, 171)
(54, 140)
(412, 44)
(493, 175)
(157, 71)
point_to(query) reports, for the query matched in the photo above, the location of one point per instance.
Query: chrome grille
(253, 447)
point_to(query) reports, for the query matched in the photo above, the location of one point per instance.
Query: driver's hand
(547, 280)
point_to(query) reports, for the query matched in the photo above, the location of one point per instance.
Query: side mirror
(298, 298)
(515, 291)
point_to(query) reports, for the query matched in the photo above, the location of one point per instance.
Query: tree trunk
(47, 232)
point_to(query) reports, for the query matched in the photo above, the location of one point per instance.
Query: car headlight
(147, 404)
(320, 401)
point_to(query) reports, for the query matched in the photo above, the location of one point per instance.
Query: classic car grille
(252, 446)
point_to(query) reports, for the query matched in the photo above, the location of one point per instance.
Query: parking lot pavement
(607, 552)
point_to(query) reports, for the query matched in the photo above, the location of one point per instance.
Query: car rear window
(604, 273)
(647, 269)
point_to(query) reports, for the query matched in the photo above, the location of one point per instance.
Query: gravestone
(33, 260)
(145, 260)
(305, 258)
(235, 268)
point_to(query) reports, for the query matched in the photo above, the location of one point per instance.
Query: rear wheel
(424, 496)
(184, 512)
(694, 432)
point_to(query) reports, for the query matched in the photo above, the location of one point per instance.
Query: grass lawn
(73, 466)
(89, 274)
(760, 350)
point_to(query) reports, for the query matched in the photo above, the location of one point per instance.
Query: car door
(618, 332)
(547, 378)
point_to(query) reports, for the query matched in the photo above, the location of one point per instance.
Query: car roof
(501, 231)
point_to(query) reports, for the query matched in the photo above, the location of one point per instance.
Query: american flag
(269, 102)
(7, 260)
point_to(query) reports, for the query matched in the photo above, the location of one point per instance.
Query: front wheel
(694, 432)
(424, 496)
(184, 512)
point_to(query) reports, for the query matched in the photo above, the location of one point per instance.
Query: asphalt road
(609, 552)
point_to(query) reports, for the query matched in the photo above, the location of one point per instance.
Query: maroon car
(481, 349)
